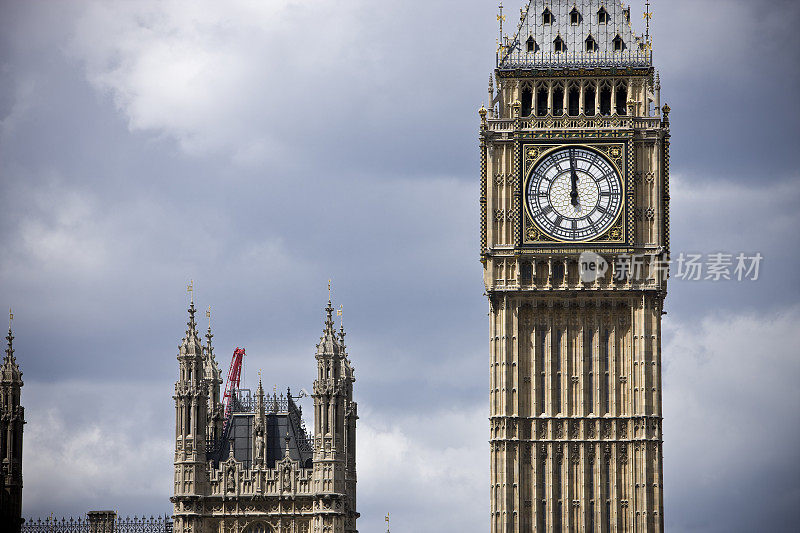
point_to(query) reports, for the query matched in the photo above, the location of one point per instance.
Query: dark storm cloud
(262, 149)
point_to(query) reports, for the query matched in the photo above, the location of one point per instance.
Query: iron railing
(574, 60)
(134, 524)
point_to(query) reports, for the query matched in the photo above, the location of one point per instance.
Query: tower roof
(191, 344)
(10, 372)
(574, 34)
(329, 343)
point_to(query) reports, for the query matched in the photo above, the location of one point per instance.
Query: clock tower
(574, 204)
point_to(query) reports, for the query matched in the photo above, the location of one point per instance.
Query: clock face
(574, 194)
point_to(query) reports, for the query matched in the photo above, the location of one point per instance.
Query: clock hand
(574, 193)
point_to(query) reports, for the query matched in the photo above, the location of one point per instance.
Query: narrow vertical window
(556, 347)
(574, 16)
(608, 492)
(557, 495)
(605, 101)
(619, 44)
(531, 44)
(542, 518)
(602, 16)
(558, 45)
(622, 100)
(527, 101)
(590, 370)
(591, 44)
(558, 110)
(541, 382)
(541, 102)
(574, 101)
(606, 373)
(547, 16)
(588, 101)
(590, 494)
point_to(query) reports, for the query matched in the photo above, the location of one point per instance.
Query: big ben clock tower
(574, 234)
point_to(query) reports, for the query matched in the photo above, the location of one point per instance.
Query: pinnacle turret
(9, 348)
(329, 343)
(10, 370)
(191, 344)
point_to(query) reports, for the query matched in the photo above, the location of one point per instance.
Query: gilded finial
(500, 18)
(647, 16)
(329, 290)
(340, 315)
(190, 290)
(208, 316)
(10, 318)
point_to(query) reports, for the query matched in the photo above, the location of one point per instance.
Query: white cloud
(96, 446)
(428, 470)
(217, 77)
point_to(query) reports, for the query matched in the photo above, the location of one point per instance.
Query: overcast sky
(263, 147)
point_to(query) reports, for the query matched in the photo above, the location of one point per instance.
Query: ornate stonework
(12, 420)
(576, 361)
(245, 479)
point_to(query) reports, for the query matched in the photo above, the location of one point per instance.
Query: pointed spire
(10, 347)
(10, 339)
(192, 324)
(260, 398)
(209, 335)
(9, 372)
(191, 344)
(329, 320)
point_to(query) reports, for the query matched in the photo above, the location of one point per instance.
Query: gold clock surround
(618, 153)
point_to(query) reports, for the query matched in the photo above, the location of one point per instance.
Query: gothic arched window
(574, 101)
(605, 100)
(559, 44)
(591, 44)
(527, 101)
(547, 16)
(541, 101)
(588, 102)
(619, 44)
(558, 110)
(622, 99)
(531, 43)
(574, 16)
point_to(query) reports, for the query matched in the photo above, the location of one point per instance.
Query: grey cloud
(364, 171)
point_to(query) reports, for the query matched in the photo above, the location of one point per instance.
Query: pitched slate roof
(544, 54)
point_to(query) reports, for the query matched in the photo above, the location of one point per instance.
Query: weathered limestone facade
(575, 364)
(309, 487)
(12, 420)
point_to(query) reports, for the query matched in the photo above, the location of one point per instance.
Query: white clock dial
(574, 194)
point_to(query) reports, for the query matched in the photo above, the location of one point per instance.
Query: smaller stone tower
(191, 407)
(334, 434)
(213, 379)
(12, 419)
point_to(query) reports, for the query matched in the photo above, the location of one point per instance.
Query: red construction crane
(234, 377)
